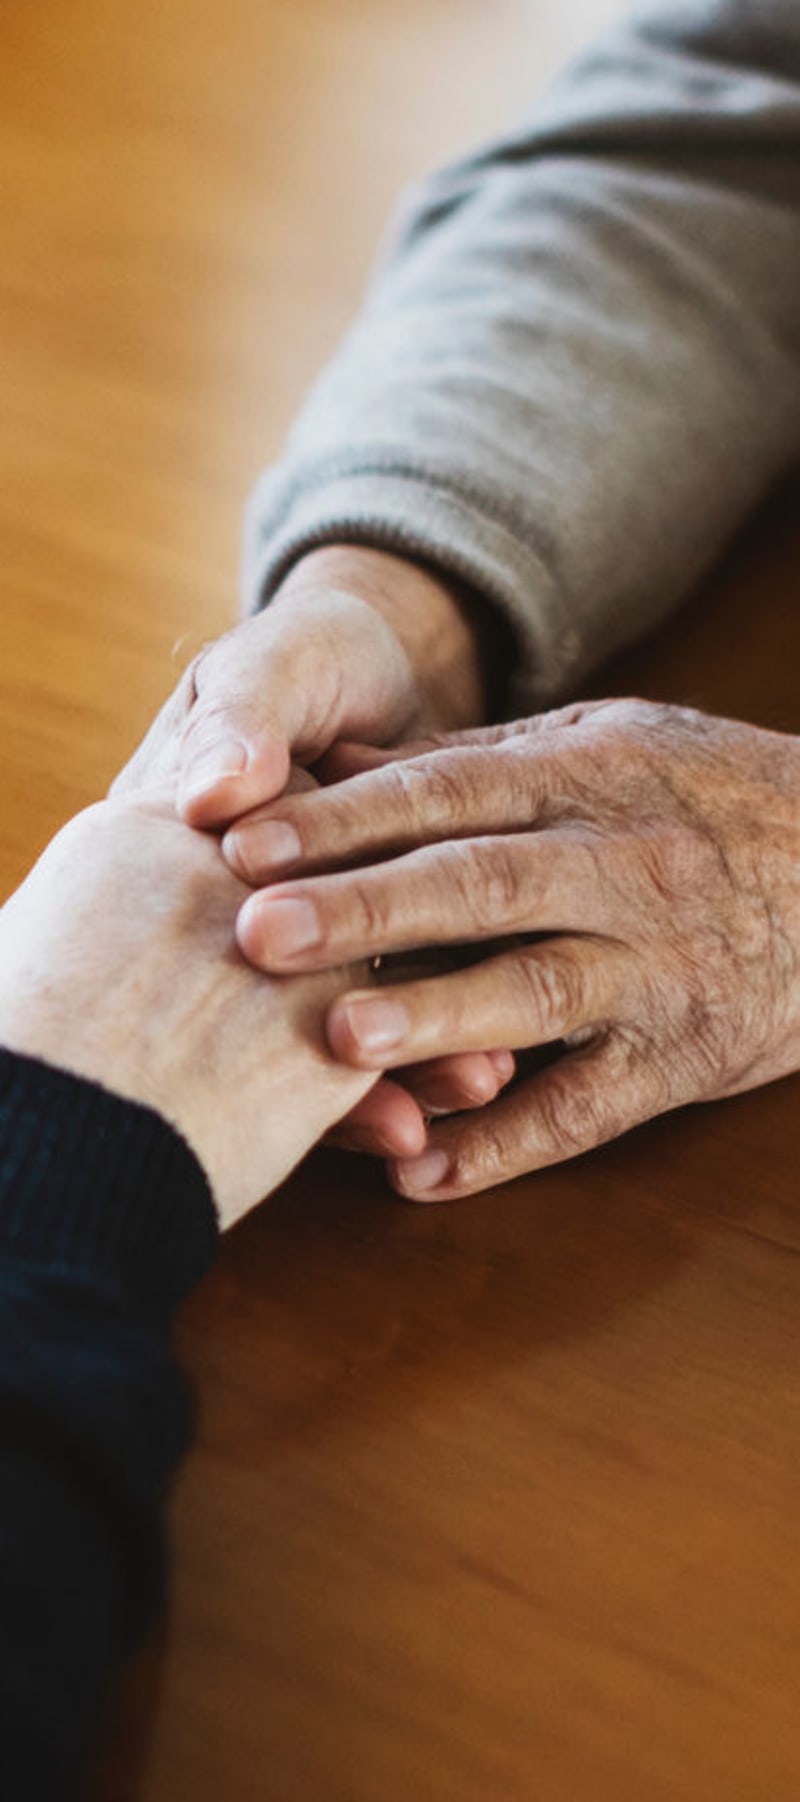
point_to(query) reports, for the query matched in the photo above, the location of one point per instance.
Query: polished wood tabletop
(496, 1502)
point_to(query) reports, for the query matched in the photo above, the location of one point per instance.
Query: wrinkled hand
(357, 643)
(118, 961)
(648, 855)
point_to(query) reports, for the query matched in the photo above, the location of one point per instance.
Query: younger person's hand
(357, 643)
(118, 961)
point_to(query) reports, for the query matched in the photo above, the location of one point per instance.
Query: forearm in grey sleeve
(579, 364)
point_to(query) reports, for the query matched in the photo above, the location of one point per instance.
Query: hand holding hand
(118, 961)
(357, 643)
(648, 856)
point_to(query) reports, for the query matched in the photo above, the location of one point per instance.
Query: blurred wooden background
(490, 1504)
(191, 192)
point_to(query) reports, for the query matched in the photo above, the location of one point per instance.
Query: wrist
(94, 1182)
(449, 638)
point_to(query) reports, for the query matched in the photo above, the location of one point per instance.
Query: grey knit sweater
(578, 366)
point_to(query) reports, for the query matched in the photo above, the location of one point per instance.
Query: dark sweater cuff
(100, 1185)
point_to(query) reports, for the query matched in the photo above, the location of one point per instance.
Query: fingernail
(377, 1025)
(440, 1095)
(291, 926)
(212, 764)
(376, 1145)
(423, 1173)
(259, 846)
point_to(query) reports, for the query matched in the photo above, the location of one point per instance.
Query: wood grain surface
(492, 1503)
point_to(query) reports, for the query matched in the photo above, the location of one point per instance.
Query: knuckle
(550, 991)
(481, 1158)
(203, 719)
(456, 868)
(487, 875)
(405, 792)
(638, 721)
(579, 1109)
(631, 710)
(639, 1069)
(569, 1120)
(368, 912)
(426, 793)
(470, 779)
(221, 679)
(503, 882)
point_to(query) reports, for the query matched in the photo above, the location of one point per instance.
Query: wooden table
(492, 1503)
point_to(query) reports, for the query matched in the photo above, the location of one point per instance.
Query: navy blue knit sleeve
(105, 1221)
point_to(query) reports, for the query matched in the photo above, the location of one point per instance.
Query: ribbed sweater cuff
(414, 517)
(100, 1185)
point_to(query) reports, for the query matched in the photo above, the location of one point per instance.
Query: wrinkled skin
(357, 643)
(642, 863)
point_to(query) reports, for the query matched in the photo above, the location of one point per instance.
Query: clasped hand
(627, 876)
(647, 858)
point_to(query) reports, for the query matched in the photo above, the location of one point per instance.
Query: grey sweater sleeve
(578, 366)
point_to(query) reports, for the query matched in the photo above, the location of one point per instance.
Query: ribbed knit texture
(105, 1221)
(101, 1185)
(578, 366)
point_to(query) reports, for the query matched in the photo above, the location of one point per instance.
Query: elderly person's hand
(643, 863)
(356, 643)
(118, 961)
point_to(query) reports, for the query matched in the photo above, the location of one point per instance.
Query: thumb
(228, 767)
(244, 718)
(285, 684)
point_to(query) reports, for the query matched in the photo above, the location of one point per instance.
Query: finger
(346, 758)
(388, 1122)
(453, 793)
(244, 718)
(584, 1099)
(530, 996)
(465, 891)
(275, 688)
(453, 1084)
